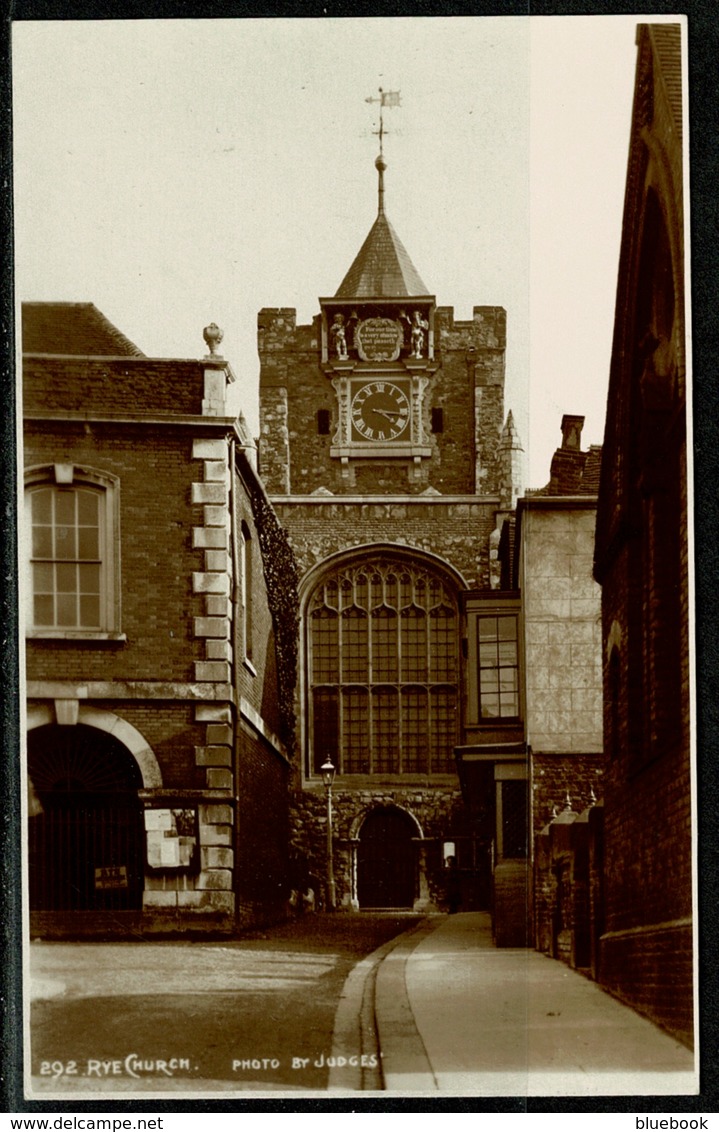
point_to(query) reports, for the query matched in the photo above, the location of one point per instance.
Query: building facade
(160, 658)
(561, 630)
(386, 454)
(532, 720)
(641, 561)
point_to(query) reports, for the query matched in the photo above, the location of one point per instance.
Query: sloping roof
(72, 328)
(382, 267)
(666, 41)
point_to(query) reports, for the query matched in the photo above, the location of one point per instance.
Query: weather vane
(389, 99)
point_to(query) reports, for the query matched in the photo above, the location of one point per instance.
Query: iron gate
(86, 845)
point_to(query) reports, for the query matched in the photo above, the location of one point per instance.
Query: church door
(386, 860)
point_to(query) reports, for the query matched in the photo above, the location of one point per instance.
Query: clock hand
(388, 413)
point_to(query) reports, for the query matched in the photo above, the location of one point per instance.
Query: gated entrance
(387, 859)
(86, 846)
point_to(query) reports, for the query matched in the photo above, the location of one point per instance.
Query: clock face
(380, 411)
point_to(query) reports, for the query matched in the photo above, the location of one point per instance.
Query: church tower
(385, 453)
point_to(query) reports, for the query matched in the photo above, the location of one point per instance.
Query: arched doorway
(387, 859)
(86, 843)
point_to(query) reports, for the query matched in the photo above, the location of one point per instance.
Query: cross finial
(389, 99)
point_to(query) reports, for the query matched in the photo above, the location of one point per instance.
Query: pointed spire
(382, 267)
(511, 464)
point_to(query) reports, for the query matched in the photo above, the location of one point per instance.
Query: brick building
(160, 651)
(386, 454)
(641, 561)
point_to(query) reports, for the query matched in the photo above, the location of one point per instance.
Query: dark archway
(387, 859)
(86, 843)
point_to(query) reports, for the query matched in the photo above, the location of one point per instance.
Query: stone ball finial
(213, 336)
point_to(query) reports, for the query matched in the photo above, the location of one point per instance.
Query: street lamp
(327, 771)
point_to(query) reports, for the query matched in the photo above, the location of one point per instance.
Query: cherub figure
(338, 337)
(419, 325)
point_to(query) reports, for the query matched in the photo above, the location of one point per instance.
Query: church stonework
(384, 451)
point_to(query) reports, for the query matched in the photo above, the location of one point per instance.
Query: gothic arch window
(73, 552)
(382, 670)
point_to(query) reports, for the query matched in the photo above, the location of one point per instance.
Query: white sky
(180, 172)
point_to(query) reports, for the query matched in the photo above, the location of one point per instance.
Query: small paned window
(66, 558)
(72, 555)
(437, 420)
(382, 662)
(498, 667)
(323, 422)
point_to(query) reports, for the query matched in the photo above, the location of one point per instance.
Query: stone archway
(86, 832)
(387, 859)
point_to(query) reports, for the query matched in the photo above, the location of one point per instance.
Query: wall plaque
(171, 838)
(379, 339)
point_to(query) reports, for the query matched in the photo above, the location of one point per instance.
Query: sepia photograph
(355, 558)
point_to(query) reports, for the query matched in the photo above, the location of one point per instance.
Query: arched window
(382, 662)
(73, 552)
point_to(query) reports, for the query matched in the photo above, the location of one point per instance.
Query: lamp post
(327, 771)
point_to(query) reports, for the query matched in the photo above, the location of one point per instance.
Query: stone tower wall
(468, 386)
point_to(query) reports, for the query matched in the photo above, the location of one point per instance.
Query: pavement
(436, 1009)
(456, 1015)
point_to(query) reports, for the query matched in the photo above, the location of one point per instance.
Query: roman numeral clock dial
(380, 412)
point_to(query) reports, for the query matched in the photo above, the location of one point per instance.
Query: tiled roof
(666, 41)
(382, 267)
(72, 328)
(592, 468)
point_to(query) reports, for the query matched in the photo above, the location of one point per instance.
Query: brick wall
(157, 558)
(554, 776)
(642, 563)
(262, 833)
(112, 385)
(652, 971)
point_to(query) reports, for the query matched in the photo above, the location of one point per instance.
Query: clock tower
(385, 453)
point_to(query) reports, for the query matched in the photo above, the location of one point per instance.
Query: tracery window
(382, 670)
